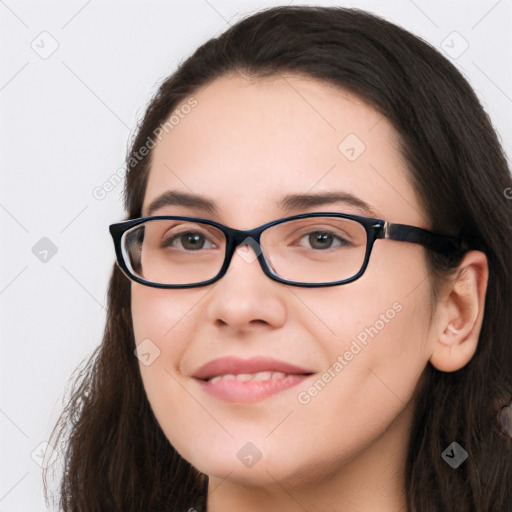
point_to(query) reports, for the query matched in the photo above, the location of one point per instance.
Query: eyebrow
(286, 203)
(305, 201)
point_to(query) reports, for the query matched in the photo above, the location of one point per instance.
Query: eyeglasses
(311, 249)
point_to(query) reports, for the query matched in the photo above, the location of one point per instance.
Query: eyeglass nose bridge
(250, 237)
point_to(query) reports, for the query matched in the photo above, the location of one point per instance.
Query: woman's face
(245, 146)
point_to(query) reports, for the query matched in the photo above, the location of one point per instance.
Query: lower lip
(233, 390)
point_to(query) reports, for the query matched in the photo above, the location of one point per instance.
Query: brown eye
(325, 240)
(189, 240)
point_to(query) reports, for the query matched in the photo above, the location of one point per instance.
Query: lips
(235, 366)
(247, 381)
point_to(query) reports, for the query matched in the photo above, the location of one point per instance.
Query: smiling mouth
(263, 376)
(233, 379)
(248, 388)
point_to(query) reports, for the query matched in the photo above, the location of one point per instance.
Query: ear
(459, 313)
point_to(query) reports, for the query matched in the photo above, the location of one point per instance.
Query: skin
(244, 145)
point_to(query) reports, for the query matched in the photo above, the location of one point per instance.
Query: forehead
(246, 143)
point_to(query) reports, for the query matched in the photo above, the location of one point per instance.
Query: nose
(245, 297)
(247, 249)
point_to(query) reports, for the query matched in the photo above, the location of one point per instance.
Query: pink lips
(235, 366)
(234, 390)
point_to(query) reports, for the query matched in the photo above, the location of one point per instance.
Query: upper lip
(235, 365)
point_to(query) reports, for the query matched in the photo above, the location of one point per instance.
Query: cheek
(373, 368)
(161, 315)
(162, 324)
(149, 314)
(374, 337)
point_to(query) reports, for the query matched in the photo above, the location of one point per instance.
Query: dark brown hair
(117, 457)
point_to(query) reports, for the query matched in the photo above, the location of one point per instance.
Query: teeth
(278, 375)
(263, 376)
(246, 377)
(228, 376)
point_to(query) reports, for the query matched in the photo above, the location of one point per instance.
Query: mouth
(248, 381)
(251, 377)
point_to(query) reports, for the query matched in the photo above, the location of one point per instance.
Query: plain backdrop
(74, 79)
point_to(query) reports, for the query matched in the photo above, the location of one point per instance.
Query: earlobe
(460, 314)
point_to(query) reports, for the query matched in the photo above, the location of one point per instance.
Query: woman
(293, 352)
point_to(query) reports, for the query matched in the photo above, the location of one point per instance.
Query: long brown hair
(117, 458)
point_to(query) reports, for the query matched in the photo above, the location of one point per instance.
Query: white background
(65, 124)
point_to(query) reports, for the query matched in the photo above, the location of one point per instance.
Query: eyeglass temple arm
(434, 241)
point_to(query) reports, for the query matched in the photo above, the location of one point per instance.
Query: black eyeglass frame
(375, 229)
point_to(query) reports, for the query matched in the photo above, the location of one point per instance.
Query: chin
(243, 462)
